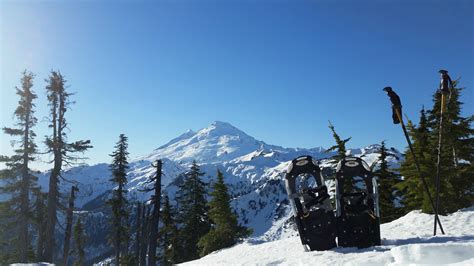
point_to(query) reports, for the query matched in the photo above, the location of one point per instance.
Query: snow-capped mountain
(220, 142)
(253, 170)
(247, 162)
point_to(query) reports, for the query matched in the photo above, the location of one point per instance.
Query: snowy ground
(407, 240)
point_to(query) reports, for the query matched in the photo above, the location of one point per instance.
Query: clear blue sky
(279, 70)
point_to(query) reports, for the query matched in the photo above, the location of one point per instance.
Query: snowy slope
(247, 162)
(407, 240)
(93, 180)
(253, 169)
(220, 145)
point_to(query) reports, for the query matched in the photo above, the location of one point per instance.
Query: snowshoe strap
(322, 195)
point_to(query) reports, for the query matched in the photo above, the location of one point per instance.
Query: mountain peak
(220, 141)
(219, 128)
(221, 124)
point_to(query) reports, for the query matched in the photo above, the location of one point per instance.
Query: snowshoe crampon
(357, 204)
(313, 212)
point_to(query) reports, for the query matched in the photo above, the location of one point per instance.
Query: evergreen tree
(414, 194)
(17, 180)
(118, 202)
(155, 216)
(456, 172)
(388, 194)
(340, 147)
(62, 152)
(193, 216)
(79, 242)
(8, 251)
(168, 234)
(225, 231)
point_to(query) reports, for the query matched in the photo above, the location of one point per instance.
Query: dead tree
(68, 232)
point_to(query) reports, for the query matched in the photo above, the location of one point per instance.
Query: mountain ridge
(253, 170)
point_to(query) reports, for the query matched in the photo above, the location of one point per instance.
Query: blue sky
(278, 70)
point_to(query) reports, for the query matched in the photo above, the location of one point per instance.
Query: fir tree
(17, 180)
(79, 242)
(387, 180)
(193, 216)
(155, 216)
(8, 252)
(168, 234)
(225, 231)
(62, 152)
(118, 202)
(457, 152)
(456, 172)
(340, 147)
(414, 194)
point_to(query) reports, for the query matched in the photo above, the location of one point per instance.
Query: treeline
(400, 195)
(200, 219)
(190, 229)
(141, 233)
(28, 216)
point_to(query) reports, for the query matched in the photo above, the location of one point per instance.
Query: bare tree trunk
(118, 234)
(41, 225)
(69, 216)
(138, 226)
(155, 218)
(144, 235)
(53, 196)
(53, 192)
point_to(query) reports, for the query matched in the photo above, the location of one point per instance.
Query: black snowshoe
(357, 204)
(313, 212)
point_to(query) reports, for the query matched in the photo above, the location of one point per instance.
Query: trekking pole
(438, 163)
(425, 185)
(445, 86)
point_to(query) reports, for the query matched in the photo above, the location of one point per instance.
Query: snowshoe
(357, 204)
(313, 212)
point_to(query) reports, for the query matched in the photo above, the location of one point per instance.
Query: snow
(407, 240)
(253, 170)
(246, 162)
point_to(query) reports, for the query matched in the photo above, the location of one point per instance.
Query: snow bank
(444, 253)
(407, 240)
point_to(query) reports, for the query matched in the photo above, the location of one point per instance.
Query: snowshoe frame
(313, 213)
(357, 213)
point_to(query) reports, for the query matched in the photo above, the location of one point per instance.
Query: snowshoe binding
(357, 204)
(313, 212)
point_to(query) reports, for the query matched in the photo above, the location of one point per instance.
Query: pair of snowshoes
(354, 222)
